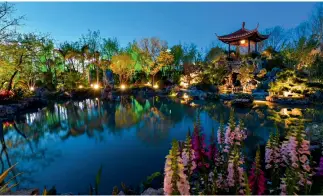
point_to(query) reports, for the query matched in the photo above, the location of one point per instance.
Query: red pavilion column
(248, 46)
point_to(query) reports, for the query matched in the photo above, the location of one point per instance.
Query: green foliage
(215, 72)
(297, 53)
(7, 186)
(98, 180)
(71, 80)
(290, 80)
(148, 181)
(123, 65)
(316, 69)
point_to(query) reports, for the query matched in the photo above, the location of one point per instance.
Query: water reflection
(64, 143)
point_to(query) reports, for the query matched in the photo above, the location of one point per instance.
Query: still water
(65, 144)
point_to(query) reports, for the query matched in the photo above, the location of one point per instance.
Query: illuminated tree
(155, 55)
(191, 66)
(93, 41)
(216, 72)
(123, 65)
(16, 55)
(246, 73)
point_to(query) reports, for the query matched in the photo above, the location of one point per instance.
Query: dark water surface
(67, 143)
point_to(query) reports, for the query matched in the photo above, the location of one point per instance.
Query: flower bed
(287, 166)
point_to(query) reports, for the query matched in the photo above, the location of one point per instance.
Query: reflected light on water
(31, 117)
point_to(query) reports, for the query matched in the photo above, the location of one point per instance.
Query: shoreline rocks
(9, 110)
(288, 100)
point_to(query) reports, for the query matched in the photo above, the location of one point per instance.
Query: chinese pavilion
(243, 38)
(240, 38)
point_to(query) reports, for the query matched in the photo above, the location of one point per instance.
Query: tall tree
(93, 40)
(8, 22)
(155, 54)
(277, 38)
(110, 48)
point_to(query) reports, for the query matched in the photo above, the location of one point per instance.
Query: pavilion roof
(243, 34)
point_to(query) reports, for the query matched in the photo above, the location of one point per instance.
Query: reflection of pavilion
(242, 38)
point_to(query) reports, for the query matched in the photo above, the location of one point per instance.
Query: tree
(24, 57)
(164, 59)
(84, 55)
(246, 73)
(8, 22)
(178, 54)
(191, 65)
(122, 65)
(214, 54)
(154, 52)
(110, 48)
(277, 38)
(93, 41)
(215, 72)
(298, 53)
(316, 22)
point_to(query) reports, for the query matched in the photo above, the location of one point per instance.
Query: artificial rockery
(286, 166)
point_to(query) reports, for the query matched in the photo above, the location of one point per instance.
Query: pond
(65, 144)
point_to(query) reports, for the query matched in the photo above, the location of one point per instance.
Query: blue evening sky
(181, 22)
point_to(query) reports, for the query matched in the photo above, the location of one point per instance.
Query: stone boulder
(42, 92)
(288, 100)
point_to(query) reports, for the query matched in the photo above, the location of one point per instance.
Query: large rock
(151, 191)
(42, 92)
(288, 100)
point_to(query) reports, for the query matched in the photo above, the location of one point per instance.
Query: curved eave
(254, 35)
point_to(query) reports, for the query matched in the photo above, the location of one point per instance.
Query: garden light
(123, 87)
(32, 88)
(96, 86)
(155, 86)
(185, 96)
(80, 86)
